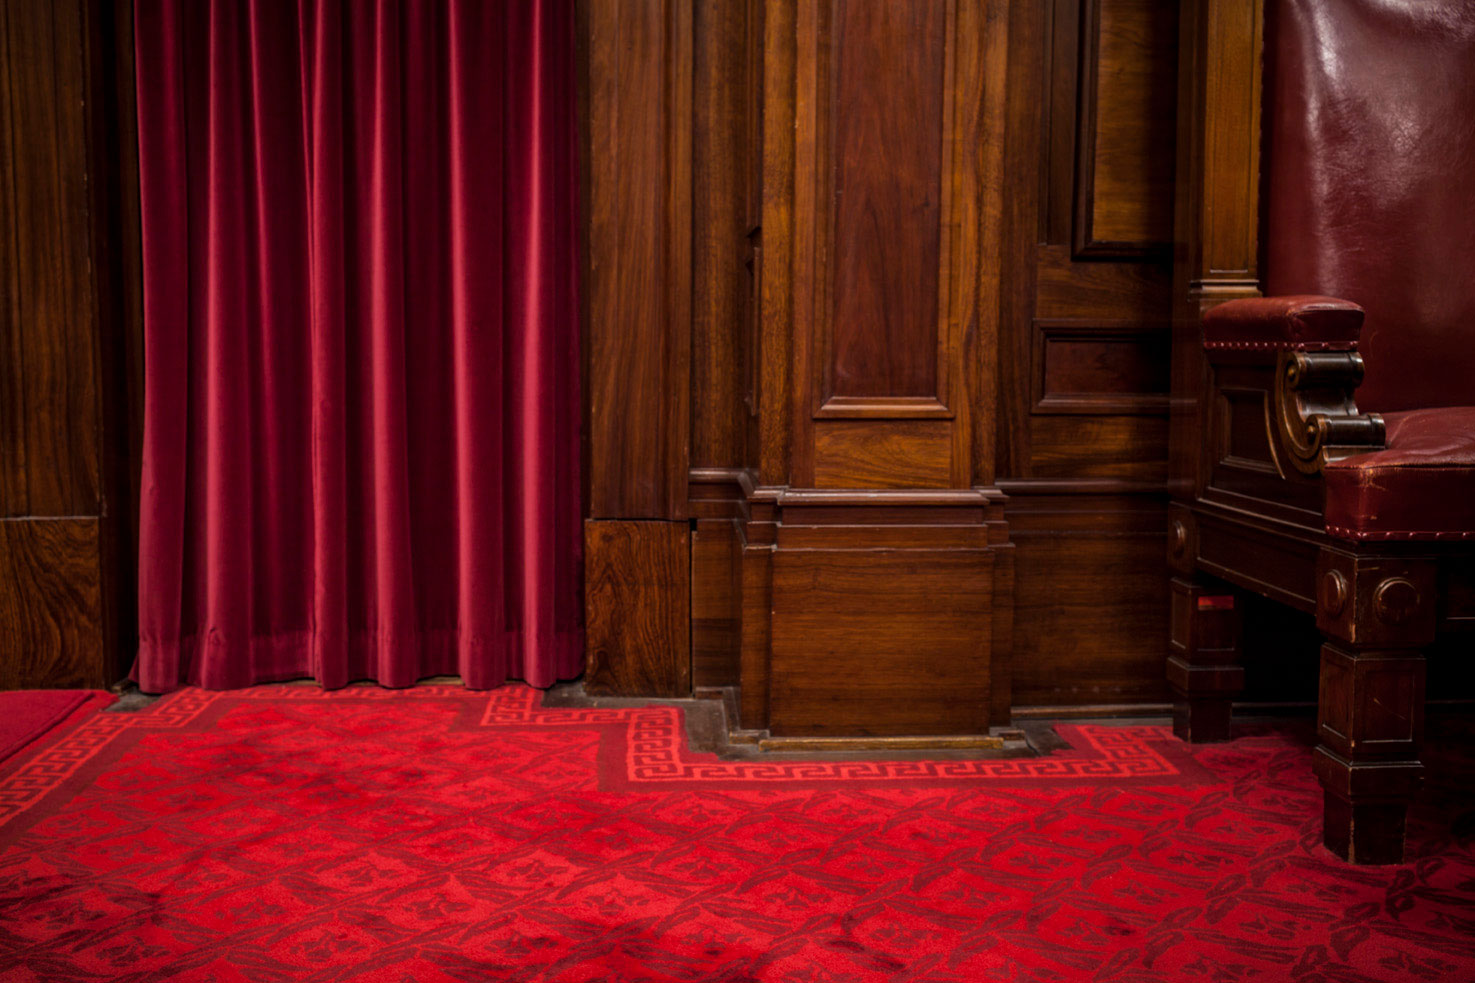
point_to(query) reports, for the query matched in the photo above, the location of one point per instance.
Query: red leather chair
(1337, 467)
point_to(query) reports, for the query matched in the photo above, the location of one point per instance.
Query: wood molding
(1133, 396)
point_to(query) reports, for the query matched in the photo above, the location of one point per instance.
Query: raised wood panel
(1091, 600)
(49, 434)
(882, 454)
(872, 643)
(885, 102)
(1101, 367)
(637, 609)
(637, 61)
(891, 284)
(1128, 92)
(51, 604)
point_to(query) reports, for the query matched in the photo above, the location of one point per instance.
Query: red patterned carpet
(435, 834)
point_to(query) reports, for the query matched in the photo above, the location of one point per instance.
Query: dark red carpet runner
(437, 835)
(26, 715)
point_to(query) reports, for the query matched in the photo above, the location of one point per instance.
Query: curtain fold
(361, 420)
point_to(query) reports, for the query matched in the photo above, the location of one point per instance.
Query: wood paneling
(721, 326)
(893, 643)
(716, 603)
(1091, 600)
(49, 441)
(1128, 91)
(51, 582)
(886, 122)
(70, 337)
(890, 292)
(878, 274)
(882, 454)
(1078, 446)
(637, 608)
(889, 310)
(1111, 367)
(1084, 456)
(637, 171)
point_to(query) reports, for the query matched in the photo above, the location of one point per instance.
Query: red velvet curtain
(361, 439)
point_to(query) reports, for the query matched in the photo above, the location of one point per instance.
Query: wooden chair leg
(1370, 721)
(1377, 612)
(1204, 670)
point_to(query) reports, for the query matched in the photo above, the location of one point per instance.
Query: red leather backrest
(1369, 182)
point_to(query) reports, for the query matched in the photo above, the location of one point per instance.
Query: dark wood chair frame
(1251, 430)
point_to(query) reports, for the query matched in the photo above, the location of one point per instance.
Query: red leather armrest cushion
(1300, 323)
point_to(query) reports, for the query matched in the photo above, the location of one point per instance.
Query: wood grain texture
(638, 96)
(71, 340)
(892, 198)
(1124, 190)
(1090, 610)
(721, 347)
(1088, 446)
(49, 460)
(869, 643)
(882, 454)
(1216, 204)
(637, 608)
(716, 603)
(1101, 367)
(886, 130)
(51, 604)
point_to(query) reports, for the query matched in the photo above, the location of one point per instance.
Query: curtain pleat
(361, 440)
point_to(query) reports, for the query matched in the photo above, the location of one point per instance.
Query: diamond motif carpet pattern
(437, 834)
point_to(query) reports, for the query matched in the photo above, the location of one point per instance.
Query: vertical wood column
(1217, 210)
(1216, 233)
(69, 323)
(636, 57)
(1378, 612)
(876, 574)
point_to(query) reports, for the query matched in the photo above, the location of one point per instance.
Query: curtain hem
(393, 660)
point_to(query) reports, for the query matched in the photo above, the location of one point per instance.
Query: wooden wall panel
(886, 126)
(1100, 367)
(70, 341)
(871, 604)
(637, 98)
(1084, 458)
(883, 454)
(896, 303)
(922, 621)
(637, 608)
(726, 246)
(721, 327)
(716, 603)
(1090, 601)
(51, 603)
(1128, 84)
(50, 394)
(640, 115)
